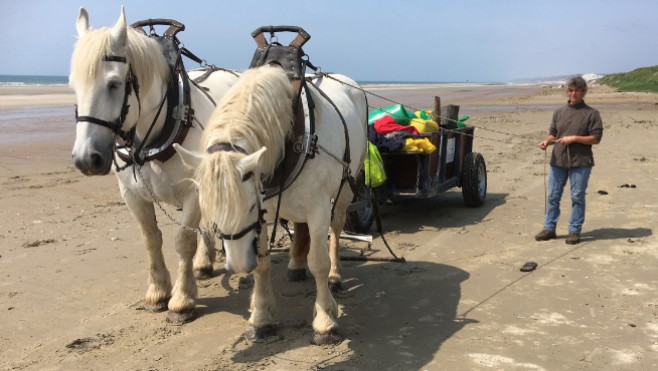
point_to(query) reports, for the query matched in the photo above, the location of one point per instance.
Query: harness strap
(139, 149)
(130, 83)
(164, 146)
(223, 146)
(115, 58)
(114, 126)
(346, 153)
(191, 55)
(210, 70)
(258, 224)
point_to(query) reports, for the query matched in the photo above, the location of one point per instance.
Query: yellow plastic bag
(425, 114)
(374, 167)
(424, 126)
(422, 145)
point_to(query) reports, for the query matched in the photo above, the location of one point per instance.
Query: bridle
(256, 226)
(116, 126)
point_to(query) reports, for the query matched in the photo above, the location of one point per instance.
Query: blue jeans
(557, 179)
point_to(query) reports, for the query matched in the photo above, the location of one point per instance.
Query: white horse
(120, 77)
(252, 123)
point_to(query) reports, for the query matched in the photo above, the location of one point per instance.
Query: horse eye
(112, 85)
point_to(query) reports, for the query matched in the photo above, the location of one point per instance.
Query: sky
(368, 40)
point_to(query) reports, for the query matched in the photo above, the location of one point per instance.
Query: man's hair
(577, 83)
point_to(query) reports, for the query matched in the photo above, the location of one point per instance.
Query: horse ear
(120, 32)
(190, 159)
(82, 25)
(251, 162)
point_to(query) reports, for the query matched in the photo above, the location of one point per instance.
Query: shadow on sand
(446, 210)
(616, 233)
(393, 315)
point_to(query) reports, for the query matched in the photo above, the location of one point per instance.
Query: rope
(442, 117)
(545, 186)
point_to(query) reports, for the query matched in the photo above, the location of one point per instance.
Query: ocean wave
(17, 84)
(33, 80)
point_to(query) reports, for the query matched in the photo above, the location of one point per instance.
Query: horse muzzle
(94, 162)
(240, 260)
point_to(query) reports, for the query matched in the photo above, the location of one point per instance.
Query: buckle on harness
(308, 142)
(183, 113)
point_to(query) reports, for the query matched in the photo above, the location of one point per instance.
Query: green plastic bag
(397, 112)
(461, 120)
(374, 167)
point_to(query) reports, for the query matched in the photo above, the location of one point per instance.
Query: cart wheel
(474, 180)
(360, 220)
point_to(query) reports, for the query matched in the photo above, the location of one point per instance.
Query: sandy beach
(74, 270)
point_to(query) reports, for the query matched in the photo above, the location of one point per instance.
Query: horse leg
(337, 224)
(184, 293)
(325, 310)
(298, 252)
(204, 257)
(301, 247)
(159, 282)
(262, 305)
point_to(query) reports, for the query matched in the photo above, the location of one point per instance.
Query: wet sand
(74, 269)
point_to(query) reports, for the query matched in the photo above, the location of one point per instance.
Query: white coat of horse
(253, 121)
(104, 61)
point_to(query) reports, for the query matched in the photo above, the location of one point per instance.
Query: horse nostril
(97, 161)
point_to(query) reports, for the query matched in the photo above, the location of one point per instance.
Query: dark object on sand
(627, 185)
(602, 192)
(529, 267)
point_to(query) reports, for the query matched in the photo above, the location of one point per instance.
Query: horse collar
(301, 146)
(179, 116)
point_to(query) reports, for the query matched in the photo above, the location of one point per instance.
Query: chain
(159, 205)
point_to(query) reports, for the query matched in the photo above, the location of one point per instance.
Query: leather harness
(179, 114)
(302, 144)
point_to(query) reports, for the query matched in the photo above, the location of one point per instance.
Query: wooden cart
(419, 175)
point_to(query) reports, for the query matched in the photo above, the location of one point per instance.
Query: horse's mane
(257, 110)
(143, 53)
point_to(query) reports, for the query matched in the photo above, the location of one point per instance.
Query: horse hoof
(260, 333)
(158, 307)
(180, 318)
(297, 275)
(204, 273)
(330, 338)
(335, 286)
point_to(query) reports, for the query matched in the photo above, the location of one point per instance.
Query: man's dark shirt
(581, 120)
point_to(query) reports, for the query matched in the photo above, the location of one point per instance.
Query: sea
(51, 80)
(54, 80)
(33, 80)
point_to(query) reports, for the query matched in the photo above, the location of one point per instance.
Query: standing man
(573, 131)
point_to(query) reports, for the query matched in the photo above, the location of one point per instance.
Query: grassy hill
(641, 79)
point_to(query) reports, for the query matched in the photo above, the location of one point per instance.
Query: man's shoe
(545, 235)
(572, 239)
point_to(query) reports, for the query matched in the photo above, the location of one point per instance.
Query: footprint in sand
(38, 243)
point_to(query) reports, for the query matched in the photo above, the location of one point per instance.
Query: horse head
(231, 201)
(105, 66)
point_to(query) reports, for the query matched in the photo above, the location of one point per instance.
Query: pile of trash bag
(395, 129)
